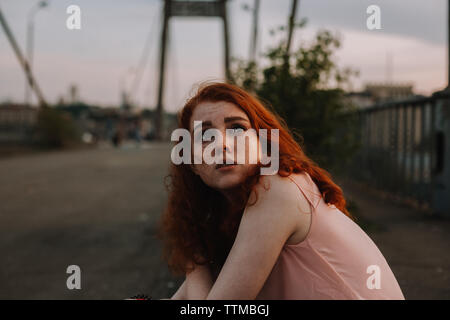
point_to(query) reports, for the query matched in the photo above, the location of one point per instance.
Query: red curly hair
(198, 226)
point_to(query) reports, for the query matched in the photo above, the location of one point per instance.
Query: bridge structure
(172, 9)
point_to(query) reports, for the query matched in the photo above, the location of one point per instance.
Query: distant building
(361, 99)
(383, 92)
(17, 123)
(374, 93)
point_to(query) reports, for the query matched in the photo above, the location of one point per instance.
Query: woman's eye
(238, 126)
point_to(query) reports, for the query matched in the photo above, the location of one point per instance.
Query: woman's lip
(225, 166)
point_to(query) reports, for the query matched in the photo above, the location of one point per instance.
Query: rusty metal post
(159, 120)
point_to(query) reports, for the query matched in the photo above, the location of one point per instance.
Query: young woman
(237, 234)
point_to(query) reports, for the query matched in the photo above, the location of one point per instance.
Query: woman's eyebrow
(229, 119)
(208, 123)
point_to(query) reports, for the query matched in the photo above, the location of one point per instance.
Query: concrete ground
(415, 244)
(93, 208)
(98, 209)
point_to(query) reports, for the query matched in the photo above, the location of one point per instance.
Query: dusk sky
(113, 35)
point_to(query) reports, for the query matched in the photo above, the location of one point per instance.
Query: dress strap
(308, 188)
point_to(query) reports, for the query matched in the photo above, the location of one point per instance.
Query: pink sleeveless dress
(337, 260)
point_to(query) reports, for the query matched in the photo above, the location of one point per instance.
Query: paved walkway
(93, 208)
(98, 209)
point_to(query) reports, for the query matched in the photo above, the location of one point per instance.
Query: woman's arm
(181, 292)
(198, 283)
(196, 286)
(263, 231)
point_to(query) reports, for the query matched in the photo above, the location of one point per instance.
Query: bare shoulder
(279, 201)
(282, 192)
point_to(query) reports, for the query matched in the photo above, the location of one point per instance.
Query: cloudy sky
(101, 56)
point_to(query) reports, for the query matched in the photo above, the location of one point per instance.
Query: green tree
(56, 129)
(306, 88)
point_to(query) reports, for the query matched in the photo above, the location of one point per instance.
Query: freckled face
(222, 116)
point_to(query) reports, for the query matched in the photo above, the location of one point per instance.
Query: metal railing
(401, 146)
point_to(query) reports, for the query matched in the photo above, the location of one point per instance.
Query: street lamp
(30, 42)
